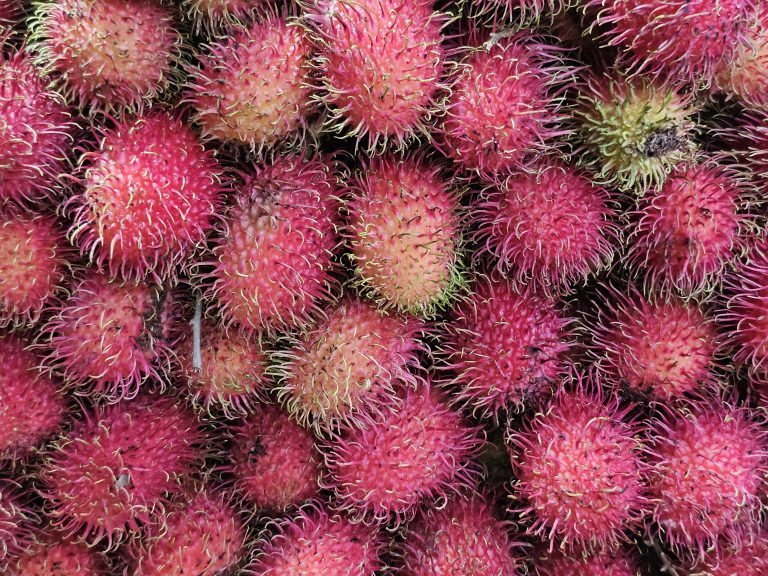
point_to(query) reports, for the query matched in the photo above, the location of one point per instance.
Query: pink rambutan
(383, 470)
(603, 563)
(150, 194)
(579, 470)
(108, 55)
(252, 88)
(56, 556)
(15, 529)
(216, 14)
(502, 347)
(36, 130)
(505, 107)
(552, 226)
(347, 368)
(708, 464)
(403, 227)
(380, 64)
(272, 460)
(272, 265)
(749, 558)
(119, 466)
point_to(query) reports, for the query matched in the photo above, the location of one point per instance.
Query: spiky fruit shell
(685, 231)
(522, 13)
(273, 460)
(747, 559)
(665, 348)
(108, 337)
(113, 56)
(462, 538)
(380, 64)
(33, 267)
(200, 534)
(231, 373)
(605, 563)
(15, 532)
(31, 406)
(56, 556)
(347, 368)
(551, 226)
(10, 11)
(404, 231)
(383, 470)
(707, 477)
(313, 542)
(502, 347)
(151, 193)
(273, 262)
(580, 472)
(505, 107)
(37, 130)
(632, 131)
(677, 39)
(119, 466)
(216, 14)
(252, 87)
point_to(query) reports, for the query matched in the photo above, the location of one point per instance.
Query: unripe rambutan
(502, 347)
(251, 88)
(108, 55)
(215, 14)
(604, 563)
(632, 131)
(552, 226)
(33, 267)
(403, 228)
(273, 263)
(36, 130)
(382, 470)
(708, 464)
(109, 337)
(580, 472)
(272, 460)
(151, 193)
(380, 65)
(750, 558)
(119, 466)
(15, 533)
(663, 348)
(505, 106)
(686, 230)
(56, 556)
(347, 368)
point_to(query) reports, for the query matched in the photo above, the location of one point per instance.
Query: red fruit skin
(383, 471)
(10, 11)
(748, 559)
(580, 471)
(119, 466)
(15, 532)
(37, 131)
(151, 193)
(212, 15)
(707, 477)
(607, 563)
(380, 64)
(273, 460)
(686, 231)
(272, 265)
(552, 227)
(56, 556)
(502, 347)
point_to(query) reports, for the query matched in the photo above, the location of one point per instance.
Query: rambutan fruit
(749, 558)
(551, 226)
(383, 470)
(217, 14)
(272, 460)
(603, 563)
(273, 262)
(252, 88)
(200, 534)
(56, 556)
(119, 466)
(36, 130)
(10, 11)
(579, 470)
(463, 538)
(686, 229)
(108, 56)
(707, 475)
(503, 346)
(151, 192)
(15, 528)
(31, 406)
(505, 107)
(108, 337)
(664, 348)
(347, 368)
(380, 65)
(403, 228)
(632, 130)
(33, 266)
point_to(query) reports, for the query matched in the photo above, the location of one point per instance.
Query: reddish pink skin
(619, 563)
(10, 10)
(15, 525)
(215, 13)
(56, 556)
(747, 559)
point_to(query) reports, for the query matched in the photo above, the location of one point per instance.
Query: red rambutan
(55, 556)
(215, 14)
(10, 11)
(750, 558)
(604, 563)
(15, 532)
